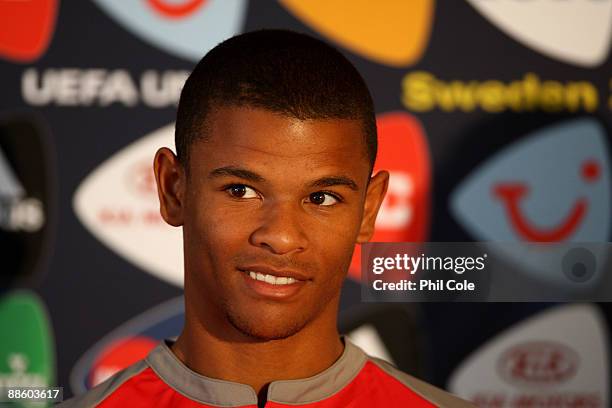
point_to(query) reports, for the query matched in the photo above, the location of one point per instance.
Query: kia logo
(538, 363)
(140, 179)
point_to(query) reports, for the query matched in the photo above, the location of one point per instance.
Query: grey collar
(222, 393)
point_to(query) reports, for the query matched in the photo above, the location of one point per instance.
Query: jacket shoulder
(427, 391)
(96, 395)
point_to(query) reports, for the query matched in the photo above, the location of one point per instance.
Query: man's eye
(322, 198)
(241, 191)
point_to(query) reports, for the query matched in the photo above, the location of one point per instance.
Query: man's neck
(257, 363)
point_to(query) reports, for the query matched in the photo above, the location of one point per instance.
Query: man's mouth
(271, 279)
(273, 283)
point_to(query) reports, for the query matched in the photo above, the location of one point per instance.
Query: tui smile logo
(175, 10)
(184, 28)
(551, 186)
(512, 194)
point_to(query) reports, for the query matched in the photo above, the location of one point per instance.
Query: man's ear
(170, 179)
(377, 188)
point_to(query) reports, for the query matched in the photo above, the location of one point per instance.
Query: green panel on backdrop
(27, 357)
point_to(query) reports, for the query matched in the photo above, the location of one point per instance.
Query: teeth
(271, 279)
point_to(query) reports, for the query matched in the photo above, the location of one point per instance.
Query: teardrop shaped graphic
(573, 31)
(558, 357)
(403, 150)
(28, 190)
(186, 28)
(26, 28)
(118, 204)
(552, 186)
(394, 33)
(27, 349)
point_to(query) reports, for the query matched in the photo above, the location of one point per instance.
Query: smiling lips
(271, 279)
(272, 283)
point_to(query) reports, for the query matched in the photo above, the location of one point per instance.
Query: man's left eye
(322, 198)
(241, 191)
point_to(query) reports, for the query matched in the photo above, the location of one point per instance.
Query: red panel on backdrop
(405, 212)
(26, 28)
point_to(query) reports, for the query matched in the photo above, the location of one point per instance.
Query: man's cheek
(220, 222)
(336, 257)
(224, 232)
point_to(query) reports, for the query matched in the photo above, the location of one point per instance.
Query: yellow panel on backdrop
(392, 32)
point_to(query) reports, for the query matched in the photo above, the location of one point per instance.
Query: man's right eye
(241, 191)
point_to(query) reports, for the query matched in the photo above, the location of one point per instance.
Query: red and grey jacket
(354, 380)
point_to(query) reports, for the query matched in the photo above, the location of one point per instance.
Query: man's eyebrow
(335, 181)
(234, 171)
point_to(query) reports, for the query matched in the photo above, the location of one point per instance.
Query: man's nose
(280, 230)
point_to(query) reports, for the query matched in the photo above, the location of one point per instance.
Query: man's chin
(268, 330)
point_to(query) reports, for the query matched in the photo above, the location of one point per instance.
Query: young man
(273, 186)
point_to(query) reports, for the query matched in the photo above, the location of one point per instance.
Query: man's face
(271, 209)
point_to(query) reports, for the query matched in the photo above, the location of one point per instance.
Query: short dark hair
(279, 70)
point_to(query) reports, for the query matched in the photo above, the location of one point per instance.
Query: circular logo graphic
(538, 364)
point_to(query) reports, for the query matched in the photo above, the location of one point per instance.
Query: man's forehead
(246, 133)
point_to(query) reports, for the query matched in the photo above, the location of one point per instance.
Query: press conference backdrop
(494, 120)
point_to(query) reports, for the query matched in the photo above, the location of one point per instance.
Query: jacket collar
(213, 391)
